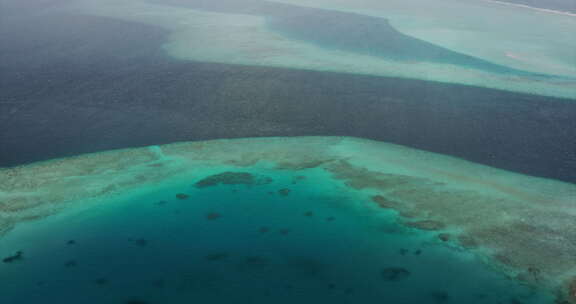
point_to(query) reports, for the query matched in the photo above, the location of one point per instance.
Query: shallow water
(347, 31)
(297, 236)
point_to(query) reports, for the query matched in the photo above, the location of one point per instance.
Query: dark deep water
(102, 84)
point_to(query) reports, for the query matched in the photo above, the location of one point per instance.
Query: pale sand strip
(239, 39)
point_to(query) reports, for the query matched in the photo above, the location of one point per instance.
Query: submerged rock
(233, 178)
(444, 237)
(284, 191)
(141, 242)
(394, 274)
(383, 202)
(13, 258)
(182, 196)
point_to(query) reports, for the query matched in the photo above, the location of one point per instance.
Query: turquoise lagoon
(255, 227)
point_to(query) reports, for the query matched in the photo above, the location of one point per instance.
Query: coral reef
(521, 225)
(232, 178)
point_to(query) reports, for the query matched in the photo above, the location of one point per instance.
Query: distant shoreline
(547, 10)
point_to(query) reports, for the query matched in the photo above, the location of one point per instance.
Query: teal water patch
(242, 236)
